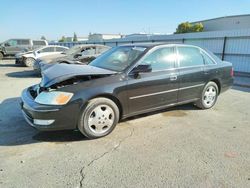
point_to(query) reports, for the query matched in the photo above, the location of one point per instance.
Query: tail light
(232, 72)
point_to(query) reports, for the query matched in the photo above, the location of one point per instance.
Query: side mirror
(38, 52)
(7, 44)
(142, 68)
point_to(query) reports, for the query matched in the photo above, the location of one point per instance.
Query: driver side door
(155, 89)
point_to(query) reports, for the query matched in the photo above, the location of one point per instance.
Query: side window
(59, 49)
(189, 56)
(48, 49)
(12, 42)
(161, 59)
(39, 43)
(100, 50)
(23, 42)
(89, 51)
(207, 59)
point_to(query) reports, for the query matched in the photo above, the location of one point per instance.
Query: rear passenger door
(191, 73)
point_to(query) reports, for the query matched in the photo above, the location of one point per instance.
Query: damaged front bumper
(49, 117)
(19, 60)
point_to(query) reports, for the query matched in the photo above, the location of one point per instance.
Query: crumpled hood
(61, 72)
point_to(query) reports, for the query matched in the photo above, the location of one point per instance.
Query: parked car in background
(13, 46)
(28, 59)
(125, 81)
(79, 54)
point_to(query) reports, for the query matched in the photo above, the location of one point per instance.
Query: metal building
(226, 23)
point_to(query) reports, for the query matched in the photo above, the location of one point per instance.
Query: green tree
(187, 27)
(63, 39)
(75, 38)
(197, 27)
(43, 38)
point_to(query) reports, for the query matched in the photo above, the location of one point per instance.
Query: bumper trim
(35, 110)
(27, 119)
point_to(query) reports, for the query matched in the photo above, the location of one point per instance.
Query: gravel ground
(176, 147)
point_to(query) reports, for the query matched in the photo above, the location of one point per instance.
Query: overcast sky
(54, 18)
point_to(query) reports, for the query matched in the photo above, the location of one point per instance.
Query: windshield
(73, 50)
(119, 58)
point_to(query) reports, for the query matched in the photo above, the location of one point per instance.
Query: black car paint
(61, 72)
(126, 90)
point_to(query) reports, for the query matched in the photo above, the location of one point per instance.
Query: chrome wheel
(210, 96)
(29, 62)
(101, 119)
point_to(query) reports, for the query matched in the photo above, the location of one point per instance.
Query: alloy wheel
(101, 119)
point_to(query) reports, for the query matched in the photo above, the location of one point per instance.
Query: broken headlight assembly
(53, 98)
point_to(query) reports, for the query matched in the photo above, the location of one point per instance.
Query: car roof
(151, 45)
(90, 45)
(42, 47)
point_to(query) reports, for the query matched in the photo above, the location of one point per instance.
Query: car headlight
(54, 98)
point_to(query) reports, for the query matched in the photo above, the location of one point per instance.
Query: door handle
(173, 77)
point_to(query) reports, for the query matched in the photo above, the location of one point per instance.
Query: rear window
(189, 56)
(48, 49)
(23, 42)
(60, 49)
(39, 43)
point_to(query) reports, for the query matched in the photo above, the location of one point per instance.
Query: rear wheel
(1, 55)
(208, 97)
(99, 118)
(29, 62)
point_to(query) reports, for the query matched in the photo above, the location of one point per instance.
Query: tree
(187, 27)
(43, 38)
(75, 38)
(197, 27)
(63, 39)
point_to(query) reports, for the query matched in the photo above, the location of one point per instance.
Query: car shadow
(244, 89)
(14, 130)
(10, 65)
(23, 74)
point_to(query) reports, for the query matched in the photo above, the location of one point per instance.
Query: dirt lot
(178, 147)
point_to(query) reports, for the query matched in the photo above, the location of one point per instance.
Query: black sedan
(124, 81)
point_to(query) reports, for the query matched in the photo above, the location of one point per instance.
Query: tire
(209, 96)
(29, 62)
(99, 118)
(1, 55)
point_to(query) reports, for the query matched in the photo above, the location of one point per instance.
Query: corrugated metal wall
(232, 46)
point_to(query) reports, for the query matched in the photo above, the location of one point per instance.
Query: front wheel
(1, 55)
(208, 97)
(29, 62)
(99, 118)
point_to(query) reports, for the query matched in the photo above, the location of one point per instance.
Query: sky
(55, 18)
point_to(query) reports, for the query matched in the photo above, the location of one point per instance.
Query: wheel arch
(112, 98)
(218, 83)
